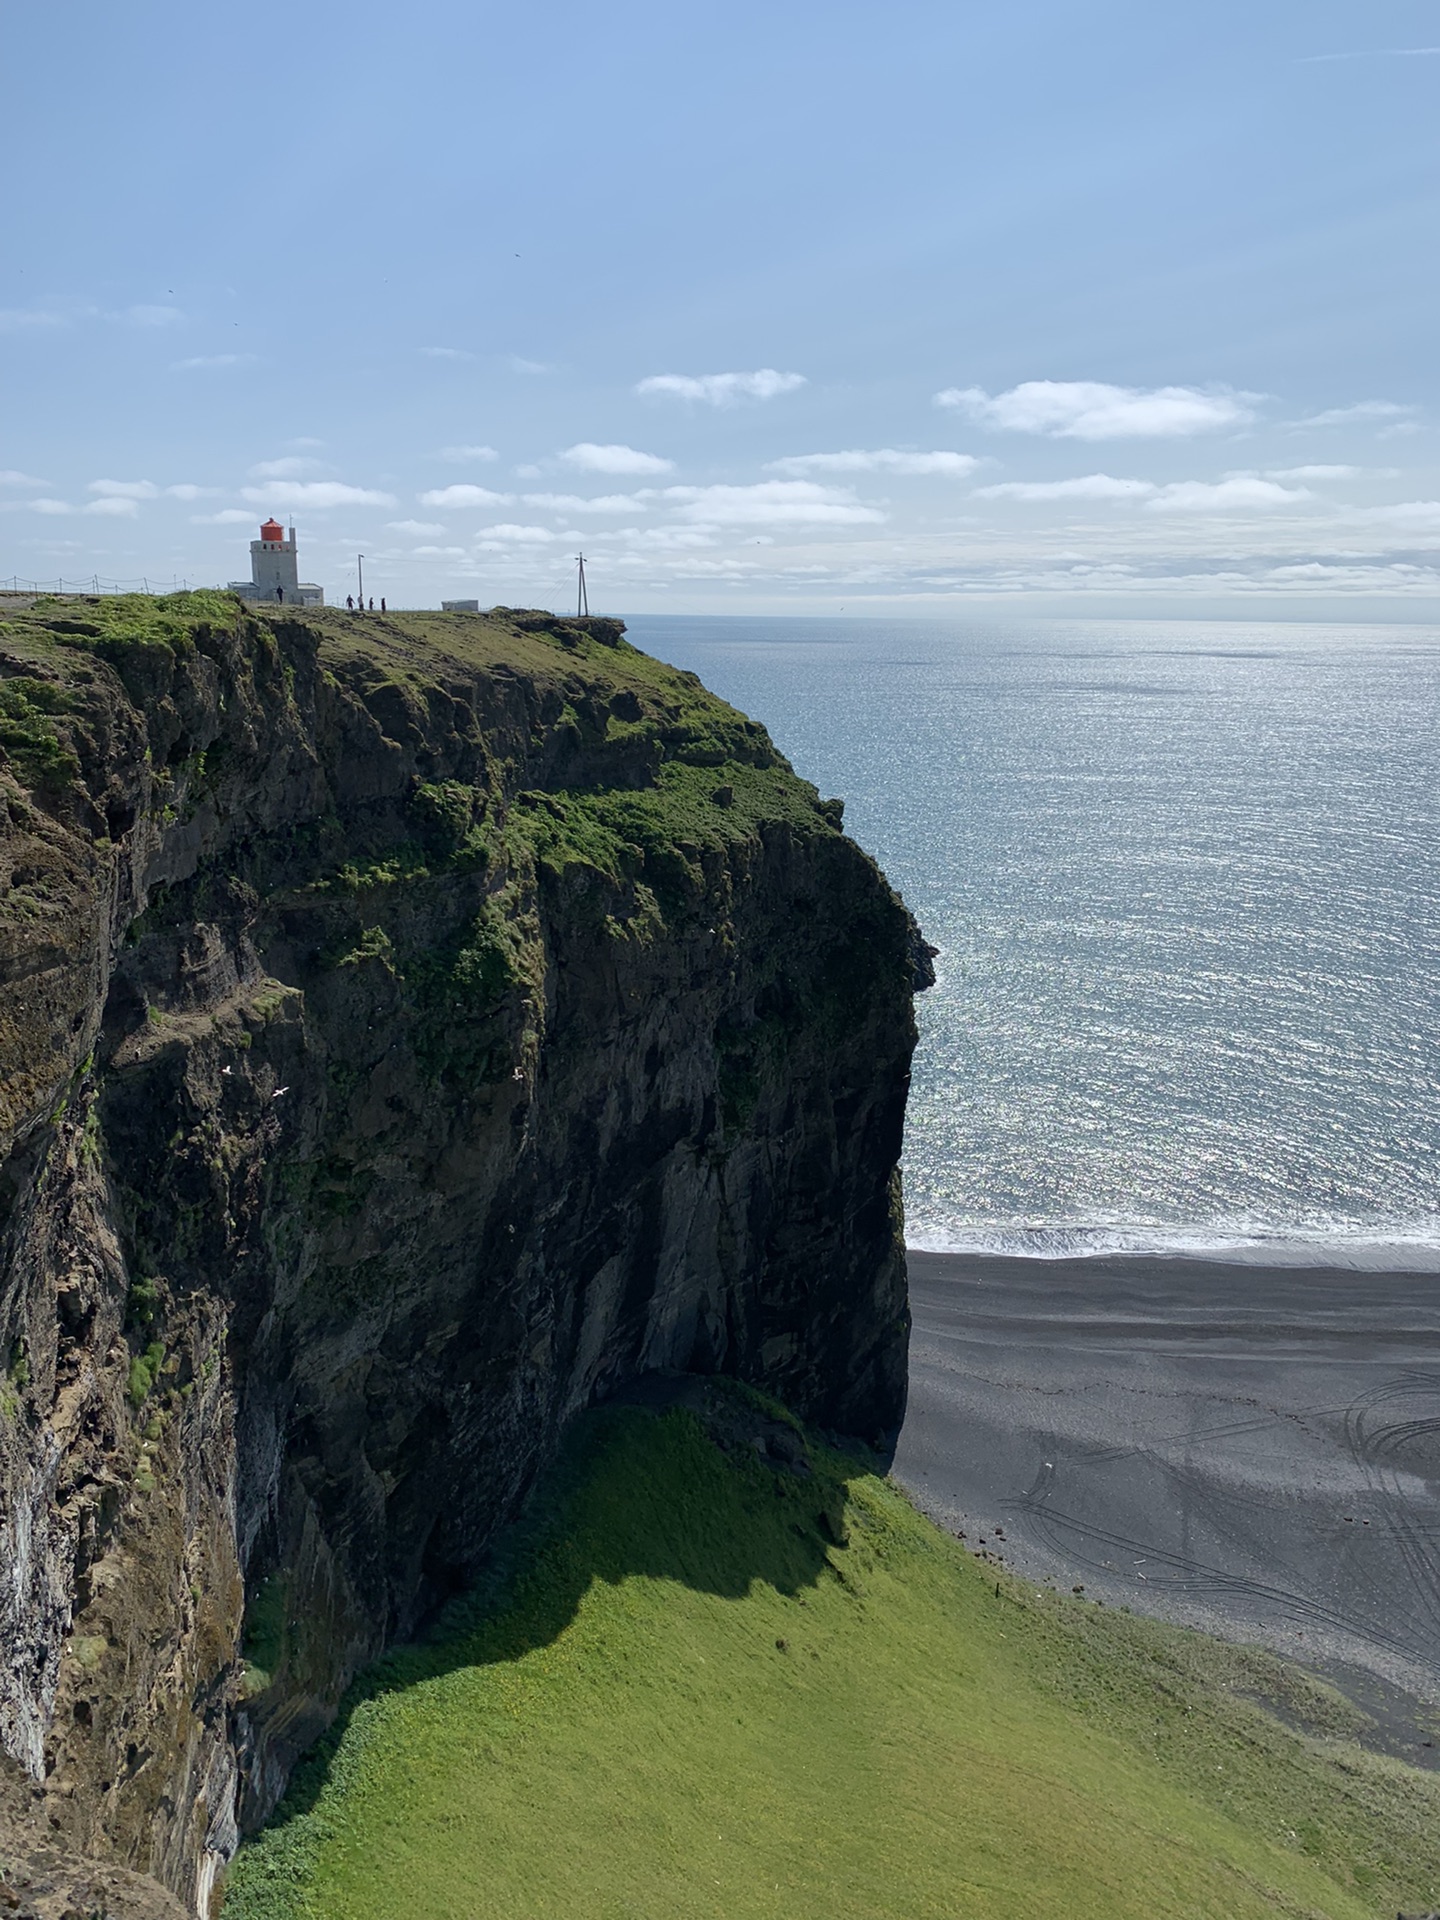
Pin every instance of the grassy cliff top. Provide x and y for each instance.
(720, 1689)
(550, 651)
(519, 698)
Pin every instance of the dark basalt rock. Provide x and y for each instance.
(413, 1031)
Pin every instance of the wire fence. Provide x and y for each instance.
(93, 584)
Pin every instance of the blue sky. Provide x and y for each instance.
(1060, 306)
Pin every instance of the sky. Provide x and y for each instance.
(804, 308)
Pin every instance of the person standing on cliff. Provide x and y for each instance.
(350, 601)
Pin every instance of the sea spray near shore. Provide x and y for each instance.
(1185, 881)
(1363, 1251)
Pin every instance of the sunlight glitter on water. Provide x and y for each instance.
(1185, 881)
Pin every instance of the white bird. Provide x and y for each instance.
(278, 1091)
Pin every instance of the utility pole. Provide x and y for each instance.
(582, 599)
(360, 570)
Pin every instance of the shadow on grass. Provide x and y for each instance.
(701, 1481)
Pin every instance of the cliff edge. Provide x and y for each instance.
(413, 1029)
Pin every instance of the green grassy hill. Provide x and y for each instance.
(694, 1701)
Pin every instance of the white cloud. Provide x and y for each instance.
(420, 528)
(1240, 490)
(212, 360)
(510, 535)
(1415, 515)
(446, 353)
(722, 389)
(666, 539)
(1360, 412)
(1368, 53)
(151, 316)
(184, 491)
(464, 456)
(23, 319)
(612, 459)
(12, 477)
(772, 502)
(114, 506)
(597, 503)
(1089, 486)
(442, 553)
(878, 460)
(1091, 410)
(125, 489)
(290, 468)
(519, 365)
(227, 517)
(1323, 472)
(316, 493)
(464, 496)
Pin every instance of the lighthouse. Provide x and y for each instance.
(275, 571)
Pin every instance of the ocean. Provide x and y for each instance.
(1184, 878)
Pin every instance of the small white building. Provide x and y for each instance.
(275, 572)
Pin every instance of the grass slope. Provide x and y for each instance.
(692, 1703)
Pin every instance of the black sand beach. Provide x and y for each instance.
(1251, 1450)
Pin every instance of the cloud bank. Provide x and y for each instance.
(595, 503)
(721, 389)
(24, 319)
(464, 495)
(125, 489)
(317, 494)
(201, 360)
(1235, 491)
(1088, 486)
(613, 459)
(773, 503)
(1360, 411)
(877, 460)
(1091, 410)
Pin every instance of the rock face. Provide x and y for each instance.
(412, 1029)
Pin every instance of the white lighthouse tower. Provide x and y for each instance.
(275, 571)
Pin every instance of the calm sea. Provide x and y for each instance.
(1185, 882)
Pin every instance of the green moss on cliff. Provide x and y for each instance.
(27, 730)
(724, 1691)
(404, 1098)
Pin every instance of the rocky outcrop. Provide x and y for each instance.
(413, 1029)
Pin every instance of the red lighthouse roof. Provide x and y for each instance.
(272, 530)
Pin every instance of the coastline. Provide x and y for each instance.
(1398, 1251)
(1249, 1449)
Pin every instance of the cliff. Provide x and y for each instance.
(412, 1029)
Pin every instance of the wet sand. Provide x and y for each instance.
(1250, 1450)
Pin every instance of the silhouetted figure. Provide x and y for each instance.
(382, 603)
(350, 601)
(372, 603)
(280, 595)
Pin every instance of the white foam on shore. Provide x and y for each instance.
(1365, 1250)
